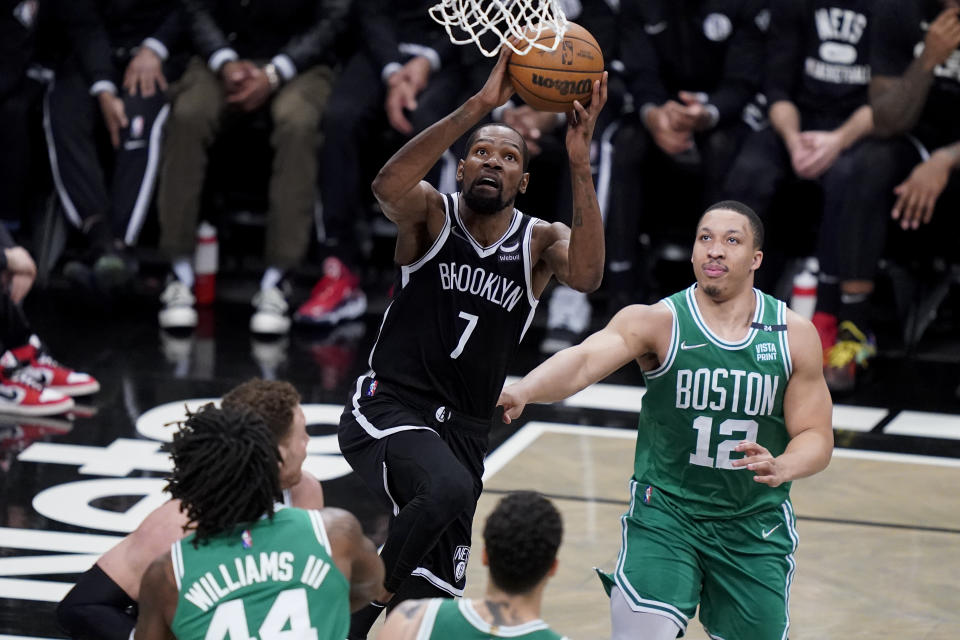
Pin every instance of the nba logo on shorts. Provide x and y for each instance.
(443, 414)
(372, 389)
(460, 559)
(646, 494)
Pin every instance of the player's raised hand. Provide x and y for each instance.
(498, 87)
(581, 121)
(762, 463)
(512, 402)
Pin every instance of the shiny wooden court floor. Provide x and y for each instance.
(879, 535)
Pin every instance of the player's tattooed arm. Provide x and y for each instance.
(403, 623)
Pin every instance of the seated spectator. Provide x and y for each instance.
(911, 180)
(31, 382)
(691, 69)
(402, 78)
(19, 94)
(816, 84)
(110, 92)
(254, 56)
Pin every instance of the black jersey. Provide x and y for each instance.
(819, 58)
(901, 26)
(458, 314)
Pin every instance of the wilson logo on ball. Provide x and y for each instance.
(563, 87)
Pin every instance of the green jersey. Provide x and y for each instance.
(269, 579)
(445, 619)
(704, 399)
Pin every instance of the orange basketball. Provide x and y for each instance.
(552, 80)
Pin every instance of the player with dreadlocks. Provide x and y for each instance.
(250, 563)
(102, 605)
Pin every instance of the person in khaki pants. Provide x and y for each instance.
(253, 54)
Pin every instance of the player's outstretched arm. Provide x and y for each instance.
(576, 255)
(808, 412)
(630, 334)
(403, 623)
(158, 601)
(399, 186)
(355, 556)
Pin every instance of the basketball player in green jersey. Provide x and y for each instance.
(250, 565)
(736, 408)
(520, 539)
(102, 604)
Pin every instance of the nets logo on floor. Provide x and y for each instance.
(86, 503)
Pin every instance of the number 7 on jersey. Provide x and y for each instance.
(471, 325)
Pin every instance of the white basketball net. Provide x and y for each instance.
(517, 23)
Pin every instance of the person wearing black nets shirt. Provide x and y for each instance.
(691, 69)
(104, 118)
(817, 75)
(908, 191)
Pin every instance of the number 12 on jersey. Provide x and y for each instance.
(704, 427)
(471, 325)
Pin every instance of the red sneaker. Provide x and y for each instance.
(22, 395)
(335, 298)
(50, 373)
(826, 324)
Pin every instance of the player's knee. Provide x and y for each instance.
(450, 494)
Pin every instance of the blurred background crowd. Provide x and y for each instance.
(146, 145)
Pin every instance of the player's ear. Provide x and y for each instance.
(553, 568)
(524, 181)
(484, 558)
(460, 170)
(757, 260)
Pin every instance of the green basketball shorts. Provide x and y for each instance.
(739, 571)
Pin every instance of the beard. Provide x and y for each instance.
(712, 291)
(486, 205)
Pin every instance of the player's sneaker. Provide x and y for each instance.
(270, 316)
(335, 298)
(50, 373)
(178, 310)
(22, 395)
(568, 318)
(851, 353)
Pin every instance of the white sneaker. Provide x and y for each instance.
(271, 314)
(177, 311)
(568, 318)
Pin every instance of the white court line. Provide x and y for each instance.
(861, 419)
(922, 423)
(522, 439)
(56, 541)
(40, 590)
(629, 398)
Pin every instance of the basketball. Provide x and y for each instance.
(552, 80)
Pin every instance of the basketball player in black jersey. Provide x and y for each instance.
(471, 268)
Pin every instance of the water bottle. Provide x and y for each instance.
(205, 261)
(804, 298)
